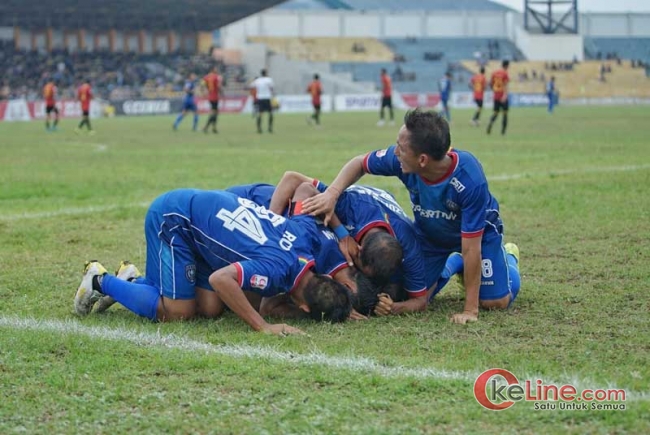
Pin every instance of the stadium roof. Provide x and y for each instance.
(178, 15)
(395, 5)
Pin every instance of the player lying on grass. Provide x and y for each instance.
(376, 233)
(453, 208)
(203, 240)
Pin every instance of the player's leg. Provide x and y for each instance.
(435, 260)
(195, 120)
(87, 118)
(477, 115)
(390, 110)
(317, 114)
(271, 121)
(56, 117)
(500, 281)
(47, 118)
(504, 119)
(261, 108)
(215, 117)
(497, 108)
(179, 118)
(453, 266)
(126, 271)
(208, 303)
(381, 112)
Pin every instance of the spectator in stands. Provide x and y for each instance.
(386, 98)
(398, 74)
(602, 72)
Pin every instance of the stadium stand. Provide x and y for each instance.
(328, 49)
(410, 5)
(612, 48)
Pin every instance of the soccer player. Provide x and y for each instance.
(213, 82)
(203, 240)
(315, 90)
(85, 95)
(386, 98)
(189, 104)
(264, 92)
(453, 207)
(550, 93)
(49, 94)
(477, 84)
(444, 86)
(499, 84)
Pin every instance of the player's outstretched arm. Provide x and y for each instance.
(225, 283)
(285, 189)
(471, 248)
(324, 203)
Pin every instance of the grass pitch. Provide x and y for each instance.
(573, 189)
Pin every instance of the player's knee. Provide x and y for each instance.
(495, 304)
(170, 310)
(208, 304)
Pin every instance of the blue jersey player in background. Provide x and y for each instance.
(444, 86)
(189, 104)
(204, 249)
(453, 208)
(551, 94)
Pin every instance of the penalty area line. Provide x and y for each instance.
(355, 364)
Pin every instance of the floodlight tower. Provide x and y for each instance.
(551, 16)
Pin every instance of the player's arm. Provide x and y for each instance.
(280, 306)
(226, 284)
(285, 190)
(471, 250)
(325, 202)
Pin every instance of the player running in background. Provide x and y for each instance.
(213, 82)
(499, 84)
(189, 104)
(453, 207)
(386, 98)
(49, 95)
(315, 89)
(478, 84)
(203, 240)
(264, 92)
(550, 93)
(85, 95)
(444, 86)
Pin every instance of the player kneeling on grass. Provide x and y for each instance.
(453, 208)
(203, 240)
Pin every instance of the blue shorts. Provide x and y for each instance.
(171, 264)
(495, 277)
(189, 105)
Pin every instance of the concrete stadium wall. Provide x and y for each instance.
(549, 47)
(615, 25)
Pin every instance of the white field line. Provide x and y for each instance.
(505, 177)
(356, 364)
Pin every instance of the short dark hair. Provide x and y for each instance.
(383, 70)
(505, 63)
(429, 133)
(316, 77)
(382, 253)
(263, 72)
(366, 297)
(328, 300)
(482, 70)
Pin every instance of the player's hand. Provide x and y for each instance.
(464, 317)
(321, 204)
(350, 250)
(384, 306)
(355, 315)
(281, 329)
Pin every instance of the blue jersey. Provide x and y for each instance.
(328, 256)
(445, 88)
(455, 206)
(361, 208)
(188, 99)
(550, 87)
(271, 253)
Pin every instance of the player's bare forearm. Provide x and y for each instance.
(285, 189)
(414, 305)
(280, 306)
(225, 283)
(472, 273)
(349, 174)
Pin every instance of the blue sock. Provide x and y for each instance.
(453, 266)
(196, 121)
(178, 120)
(141, 299)
(515, 278)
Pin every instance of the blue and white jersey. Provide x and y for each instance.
(190, 86)
(550, 87)
(444, 86)
(328, 256)
(361, 208)
(271, 253)
(457, 205)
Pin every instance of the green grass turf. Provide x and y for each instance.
(573, 194)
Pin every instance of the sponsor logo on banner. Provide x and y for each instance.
(412, 101)
(302, 103)
(358, 102)
(226, 105)
(528, 100)
(17, 110)
(146, 107)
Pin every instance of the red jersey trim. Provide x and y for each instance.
(365, 163)
(304, 270)
(375, 224)
(417, 293)
(337, 269)
(472, 235)
(452, 168)
(240, 274)
(315, 182)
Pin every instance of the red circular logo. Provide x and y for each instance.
(481, 394)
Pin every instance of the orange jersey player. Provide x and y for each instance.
(315, 89)
(213, 82)
(49, 95)
(85, 95)
(499, 83)
(386, 97)
(478, 84)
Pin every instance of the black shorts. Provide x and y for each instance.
(264, 105)
(316, 106)
(387, 102)
(86, 112)
(479, 103)
(500, 105)
(214, 105)
(50, 109)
